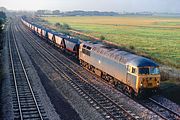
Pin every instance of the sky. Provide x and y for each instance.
(99, 5)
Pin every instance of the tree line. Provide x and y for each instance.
(2, 20)
(76, 13)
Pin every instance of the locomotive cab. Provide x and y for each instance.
(147, 75)
(149, 78)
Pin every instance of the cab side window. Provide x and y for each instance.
(133, 70)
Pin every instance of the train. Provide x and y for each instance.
(133, 74)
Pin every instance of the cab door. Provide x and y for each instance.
(131, 78)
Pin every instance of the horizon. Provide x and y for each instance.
(121, 12)
(160, 6)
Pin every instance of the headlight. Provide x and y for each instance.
(141, 80)
(157, 82)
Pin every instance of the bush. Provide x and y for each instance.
(1, 23)
(66, 26)
(102, 37)
(131, 47)
(58, 25)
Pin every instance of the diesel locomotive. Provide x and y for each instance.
(133, 74)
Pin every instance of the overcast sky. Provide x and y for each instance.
(100, 5)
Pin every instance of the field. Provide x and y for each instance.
(156, 37)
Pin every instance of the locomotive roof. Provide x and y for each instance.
(142, 62)
(120, 55)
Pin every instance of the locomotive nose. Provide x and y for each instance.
(149, 81)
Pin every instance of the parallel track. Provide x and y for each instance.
(161, 110)
(106, 106)
(25, 104)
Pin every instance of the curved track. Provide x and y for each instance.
(25, 104)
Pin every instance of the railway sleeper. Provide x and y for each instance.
(31, 116)
(30, 112)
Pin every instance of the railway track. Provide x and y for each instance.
(25, 101)
(106, 106)
(160, 110)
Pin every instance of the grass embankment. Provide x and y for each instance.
(170, 89)
(158, 38)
